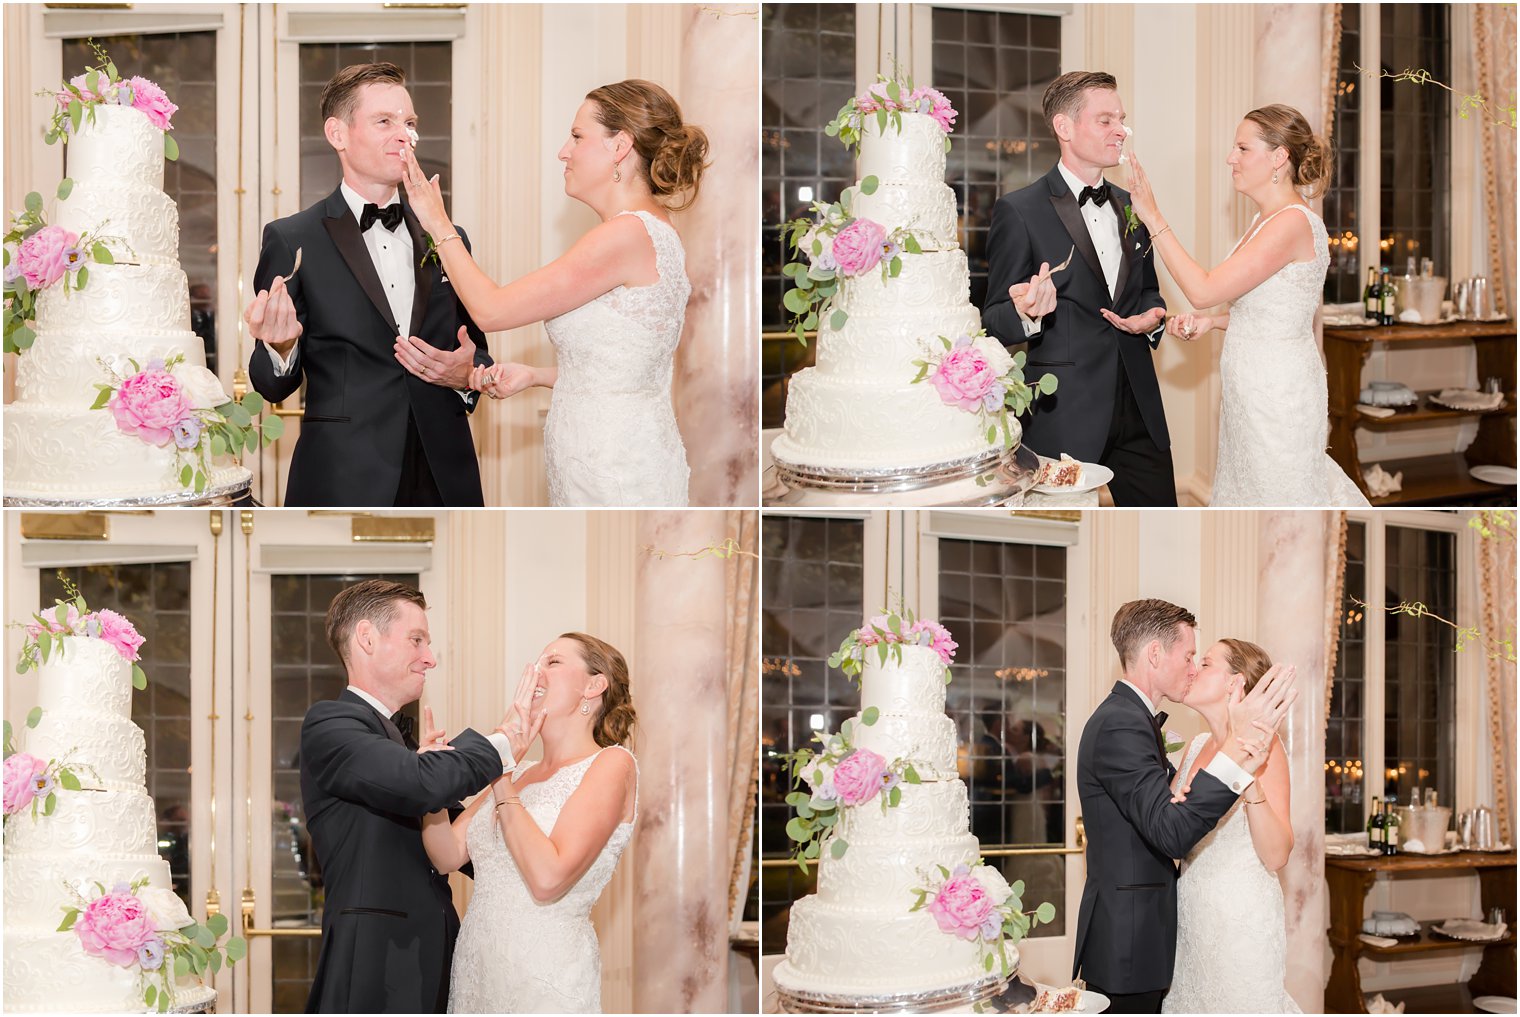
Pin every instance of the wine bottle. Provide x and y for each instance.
(1375, 826)
(1371, 297)
(1385, 299)
(1391, 829)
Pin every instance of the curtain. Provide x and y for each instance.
(1496, 569)
(1494, 56)
(743, 710)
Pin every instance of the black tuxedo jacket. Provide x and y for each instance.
(388, 922)
(1041, 223)
(1127, 926)
(358, 396)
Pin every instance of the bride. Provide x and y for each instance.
(1231, 929)
(544, 840)
(613, 304)
(1274, 418)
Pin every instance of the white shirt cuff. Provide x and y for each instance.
(1031, 325)
(503, 748)
(1229, 772)
(282, 365)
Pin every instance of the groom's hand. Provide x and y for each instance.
(451, 369)
(271, 317)
(1255, 717)
(1138, 324)
(1037, 297)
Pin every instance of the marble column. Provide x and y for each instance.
(717, 364)
(1289, 65)
(1294, 557)
(680, 855)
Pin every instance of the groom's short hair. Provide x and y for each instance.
(373, 599)
(1067, 93)
(1140, 621)
(341, 94)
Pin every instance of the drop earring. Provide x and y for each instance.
(1274, 176)
(585, 708)
(617, 176)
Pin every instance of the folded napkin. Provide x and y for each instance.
(1378, 941)
(1375, 411)
(1380, 482)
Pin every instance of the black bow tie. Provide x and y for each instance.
(404, 723)
(1160, 719)
(389, 216)
(1097, 195)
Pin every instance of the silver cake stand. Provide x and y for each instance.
(997, 478)
(222, 494)
(972, 996)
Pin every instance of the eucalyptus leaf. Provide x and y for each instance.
(102, 397)
(237, 949)
(839, 847)
(1046, 913)
(76, 112)
(837, 319)
(103, 254)
(868, 185)
(69, 918)
(49, 805)
(186, 475)
(33, 716)
(81, 277)
(64, 187)
(139, 678)
(273, 428)
(218, 925)
(68, 780)
(796, 829)
(171, 147)
(253, 402)
(33, 202)
(150, 995)
(869, 715)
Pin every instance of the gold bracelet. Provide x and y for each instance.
(439, 243)
(1254, 801)
(514, 800)
(1158, 233)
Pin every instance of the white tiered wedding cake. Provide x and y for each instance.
(106, 836)
(57, 448)
(888, 394)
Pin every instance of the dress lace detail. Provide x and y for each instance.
(1232, 935)
(611, 437)
(1274, 421)
(515, 955)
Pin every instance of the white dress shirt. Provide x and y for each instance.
(1221, 766)
(392, 256)
(496, 738)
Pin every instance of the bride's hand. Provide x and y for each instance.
(1141, 198)
(501, 381)
(425, 196)
(524, 720)
(433, 739)
(1188, 327)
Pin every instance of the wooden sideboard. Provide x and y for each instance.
(1349, 880)
(1427, 478)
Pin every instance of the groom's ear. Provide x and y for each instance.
(364, 635)
(336, 132)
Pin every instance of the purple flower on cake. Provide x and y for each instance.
(936, 636)
(20, 781)
(187, 433)
(889, 780)
(42, 783)
(965, 377)
(890, 249)
(150, 956)
(12, 270)
(962, 906)
(120, 634)
(857, 778)
(149, 404)
(43, 256)
(151, 100)
(72, 257)
(114, 927)
(932, 102)
(857, 247)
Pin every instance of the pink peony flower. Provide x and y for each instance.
(43, 256)
(21, 771)
(933, 103)
(107, 91)
(149, 98)
(962, 906)
(148, 405)
(69, 625)
(964, 377)
(857, 247)
(935, 636)
(114, 927)
(858, 777)
(117, 631)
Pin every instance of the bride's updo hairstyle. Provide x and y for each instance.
(1285, 127)
(671, 153)
(615, 720)
(1246, 659)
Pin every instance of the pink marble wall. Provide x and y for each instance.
(1294, 556)
(680, 852)
(717, 378)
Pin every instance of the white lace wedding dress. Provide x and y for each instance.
(1232, 936)
(1274, 421)
(611, 437)
(515, 955)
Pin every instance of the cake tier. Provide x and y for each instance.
(913, 155)
(48, 971)
(89, 676)
(838, 422)
(120, 145)
(928, 742)
(930, 811)
(916, 684)
(142, 221)
(117, 300)
(82, 824)
(871, 873)
(931, 285)
(874, 951)
(63, 368)
(67, 453)
(111, 747)
(36, 889)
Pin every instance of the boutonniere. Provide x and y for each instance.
(1173, 742)
(432, 252)
(1131, 220)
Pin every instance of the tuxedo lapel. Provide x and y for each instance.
(391, 730)
(344, 230)
(1127, 243)
(1065, 205)
(423, 275)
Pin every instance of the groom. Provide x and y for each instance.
(388, 921)
(1095, 323)
(1127, 926)
(386, 418)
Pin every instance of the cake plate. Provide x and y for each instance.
(221, 494)
(972, 996)
(998, 478)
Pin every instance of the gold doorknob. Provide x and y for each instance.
(1081, 835)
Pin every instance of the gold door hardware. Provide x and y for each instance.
(249, 932)
(65, 526)
(1081, 834)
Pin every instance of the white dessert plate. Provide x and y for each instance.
(1469, 930)
(1495, 1004)
(1094, 476)
(1096, 1002)
(1504, 475)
